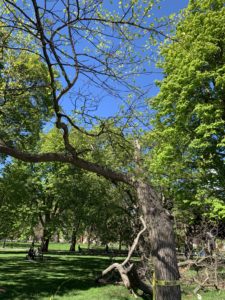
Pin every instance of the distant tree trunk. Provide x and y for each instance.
(76, 226)
(44, 244)
(58, 237)
(73, 241)
(89, 241)
(46, 234)
(162, 240)
(120, 242)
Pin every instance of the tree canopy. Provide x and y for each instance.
(188, 139)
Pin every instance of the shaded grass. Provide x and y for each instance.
(66, 277)
(58, 277)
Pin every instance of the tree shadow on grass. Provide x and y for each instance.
(21, 279)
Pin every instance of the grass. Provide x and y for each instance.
(206, 295)
(65, 277)
(53, 246)
(58, 277)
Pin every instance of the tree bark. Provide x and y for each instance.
(73, 241)
(46, 233)
(89, 242)
(44, 244)
(58, 237)
(161, 236)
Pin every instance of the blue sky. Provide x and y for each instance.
(167, 7)
(110, 105)
(170, 6)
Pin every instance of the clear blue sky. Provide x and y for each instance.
(170, 6)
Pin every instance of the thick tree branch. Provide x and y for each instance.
(66, 158)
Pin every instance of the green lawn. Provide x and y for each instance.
(65, 277)
(53, 246)
(58, 277)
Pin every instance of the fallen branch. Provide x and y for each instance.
(201, 284)
(135, 243)
(127, 271)
(191, 262)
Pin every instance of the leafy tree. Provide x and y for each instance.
(24, 96)
(31, 198)
(17, 210)
(188, 140)
(87, 194)
(60, 198)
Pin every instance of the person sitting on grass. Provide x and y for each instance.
(31, 254)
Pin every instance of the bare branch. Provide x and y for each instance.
(135, 243)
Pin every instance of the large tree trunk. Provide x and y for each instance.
(46, 233)
(73, 241)
(162, 240)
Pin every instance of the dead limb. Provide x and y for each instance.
(127, 271)
(201, 284)
(191, 262)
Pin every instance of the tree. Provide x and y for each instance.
(85, 195)
(18, 211)
(188, 139)
(60, 197)
(78, 40)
